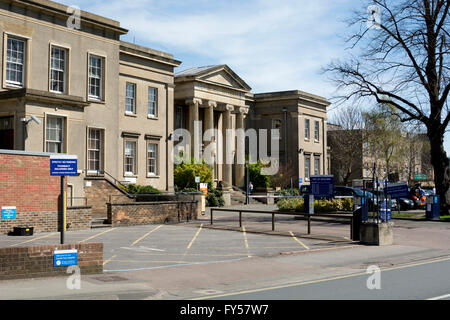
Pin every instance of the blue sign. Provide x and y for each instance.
(63, 165)
(8, 213)
(397, 190)
(300, 180)
(322, 186)
(65, 258)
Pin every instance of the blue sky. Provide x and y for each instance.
(272, 45)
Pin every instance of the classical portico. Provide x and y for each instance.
(215, 96)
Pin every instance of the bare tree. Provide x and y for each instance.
(346, 144)
(401, 60)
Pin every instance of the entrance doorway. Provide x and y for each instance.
(7, 133)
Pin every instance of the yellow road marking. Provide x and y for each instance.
(195, 237)
(97, 235)
(145, 235)
(43, 237)
(109, 260)
(295, 238)
(246, 242)
(321, 280)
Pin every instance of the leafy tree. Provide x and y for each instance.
(402, 61)
(256, 178)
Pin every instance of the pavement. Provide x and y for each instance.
(193, 261)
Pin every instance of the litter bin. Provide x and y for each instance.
(385, 211)
(309, 203)
(433, 207)
(23, 231)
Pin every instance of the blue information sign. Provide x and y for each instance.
(8, 213)
(63, 165)
(300, 180)
(65, 258)
(322, 186)
(397, 190)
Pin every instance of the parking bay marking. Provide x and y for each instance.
(39, 238)
(97, 235)
(246, 242)
(145, 236)
(295, 238)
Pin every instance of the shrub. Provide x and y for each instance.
(215, 198)
(184, 175)
(256, 178)
(319, 205)
(137, 189)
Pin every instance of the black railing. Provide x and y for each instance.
(352, 218)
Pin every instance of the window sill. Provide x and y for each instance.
(152, 176)
(152, 117)
(13, 86)
(129, 114)
(94, 100)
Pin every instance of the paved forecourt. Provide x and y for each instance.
(162, 246)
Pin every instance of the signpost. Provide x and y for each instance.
(62, 166)
(8, 213)
(322, 186)
(397, 190)
(65, 258)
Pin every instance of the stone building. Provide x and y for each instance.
(107, 101)
(116, 105)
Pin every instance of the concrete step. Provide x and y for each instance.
(100, 223)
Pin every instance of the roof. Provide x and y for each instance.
(196, 71)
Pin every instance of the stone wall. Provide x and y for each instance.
(78, 218)
(37, 261)
(142, 213)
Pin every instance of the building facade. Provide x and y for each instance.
(107, 101)
(115, 105)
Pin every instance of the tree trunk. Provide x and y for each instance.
(441, 167)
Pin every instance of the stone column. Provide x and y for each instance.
(209, 125)
(227, 176)
(239, 166)
(193, 117)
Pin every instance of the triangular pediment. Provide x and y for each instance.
(221, 75)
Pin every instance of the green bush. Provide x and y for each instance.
(137, 189)
(342, 205)
(215, 198)
(256, 178)
(184, 175)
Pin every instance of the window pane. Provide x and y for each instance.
(130, 98)
(58, 67)
(15, 61)
(95, 77)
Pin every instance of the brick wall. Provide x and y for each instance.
(98, 195)
(37, 261)
(25, 183)
(78, 218)
(142, 213)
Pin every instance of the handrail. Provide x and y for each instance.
(273, 213)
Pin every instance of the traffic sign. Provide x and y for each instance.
(8, 213)
(63, 165)
(65, 258)
(322, 186)
(420, 177)
(397, 190)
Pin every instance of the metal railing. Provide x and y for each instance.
(308, 217)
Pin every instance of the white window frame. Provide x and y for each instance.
(307, 129)
(16, 84)
(134, 163)
(63, 71)
(316, 166)
(133, 99)
(307, 172)
(155, 102)
(98, 150)
(316, 131)
(96, 77)
(62, 130)
(154, 159)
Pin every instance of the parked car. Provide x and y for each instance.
(341, 191)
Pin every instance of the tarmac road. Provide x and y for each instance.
(421, 281)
